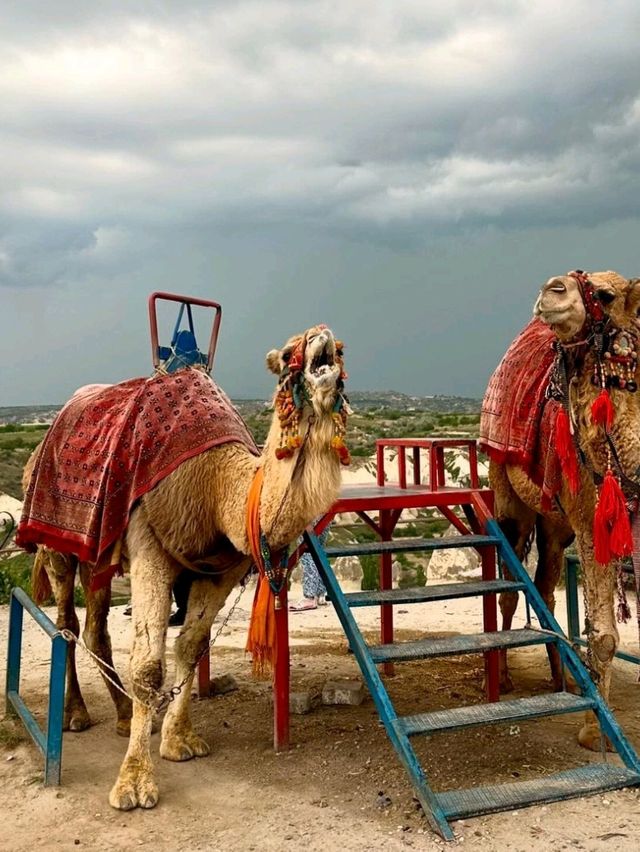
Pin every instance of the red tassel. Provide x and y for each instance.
(602, 410)
(566, 451)
(612, 537)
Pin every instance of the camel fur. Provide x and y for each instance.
(518, 499)
(202, 506)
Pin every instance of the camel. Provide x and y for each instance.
(569, 311)
(203, 503)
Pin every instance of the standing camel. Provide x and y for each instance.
(578, 474)
(203, 504)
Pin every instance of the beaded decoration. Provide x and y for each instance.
(277, 577)
(618, 368)
(615, 364)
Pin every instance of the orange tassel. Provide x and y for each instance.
(602, 410)
(612, 537)
(566, 451)
(261, 641)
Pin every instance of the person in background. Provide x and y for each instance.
(314, 593)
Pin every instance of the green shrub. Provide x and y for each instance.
(370, 572)
(15, 572)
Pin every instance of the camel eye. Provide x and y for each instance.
(558, 288)
(286, 356)
(604, 296)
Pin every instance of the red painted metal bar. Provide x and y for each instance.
(490, 624)
(281, 675)
(483, 503)
(433, 469)
(473, 465)
(440, 464)
(380, 463)
(388, 521)
(425, 443)
(454, 520)
(369, 522)
(187, 300)
(402, 467)
(204, 676)
(388, 502)
(416, 465)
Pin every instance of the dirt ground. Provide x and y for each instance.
(325, 793)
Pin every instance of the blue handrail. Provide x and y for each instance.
(49, 742)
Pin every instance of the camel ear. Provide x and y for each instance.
(632, 304)
(273, 361)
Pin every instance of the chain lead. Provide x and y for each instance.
(157, 700)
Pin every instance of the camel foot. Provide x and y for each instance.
(183, 746)
(76, 719)
(134, 790)
(123, 727)
(590, 737)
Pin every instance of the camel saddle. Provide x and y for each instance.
(108, 447)
(517, 423)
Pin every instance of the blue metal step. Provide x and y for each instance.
(439, 592)
(515, 710)
(472, 643)
(582, 781)
(412, 545)
(439, 808)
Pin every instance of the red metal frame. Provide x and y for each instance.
(186, 300)
(388, 501)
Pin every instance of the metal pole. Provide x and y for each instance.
(53, 753)
(14, 652)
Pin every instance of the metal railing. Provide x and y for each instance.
(50, 741)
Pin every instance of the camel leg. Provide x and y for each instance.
(61, 571)
(179, 741)
(599, 584)
(97, 639)
(152, 576)
(517, 521)
(553, 535)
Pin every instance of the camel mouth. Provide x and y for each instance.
(323, 361)
(553, 316)
(322, 366)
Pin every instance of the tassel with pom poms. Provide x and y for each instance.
(566, 451)
(611, 528)
(341, 449)
(602, 410)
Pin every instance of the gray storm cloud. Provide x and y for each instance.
(142, 137)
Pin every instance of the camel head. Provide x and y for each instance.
(567, 309)
(310, 370)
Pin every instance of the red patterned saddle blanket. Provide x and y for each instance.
(110, 445)
(517, 423)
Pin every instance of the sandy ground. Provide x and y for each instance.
(324, 793)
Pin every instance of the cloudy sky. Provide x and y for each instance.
(408, 172)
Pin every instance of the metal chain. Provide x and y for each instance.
(157, 700)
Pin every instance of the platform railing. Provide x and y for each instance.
(49, 741)
(436, 448)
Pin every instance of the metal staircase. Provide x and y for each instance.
(440, 808)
